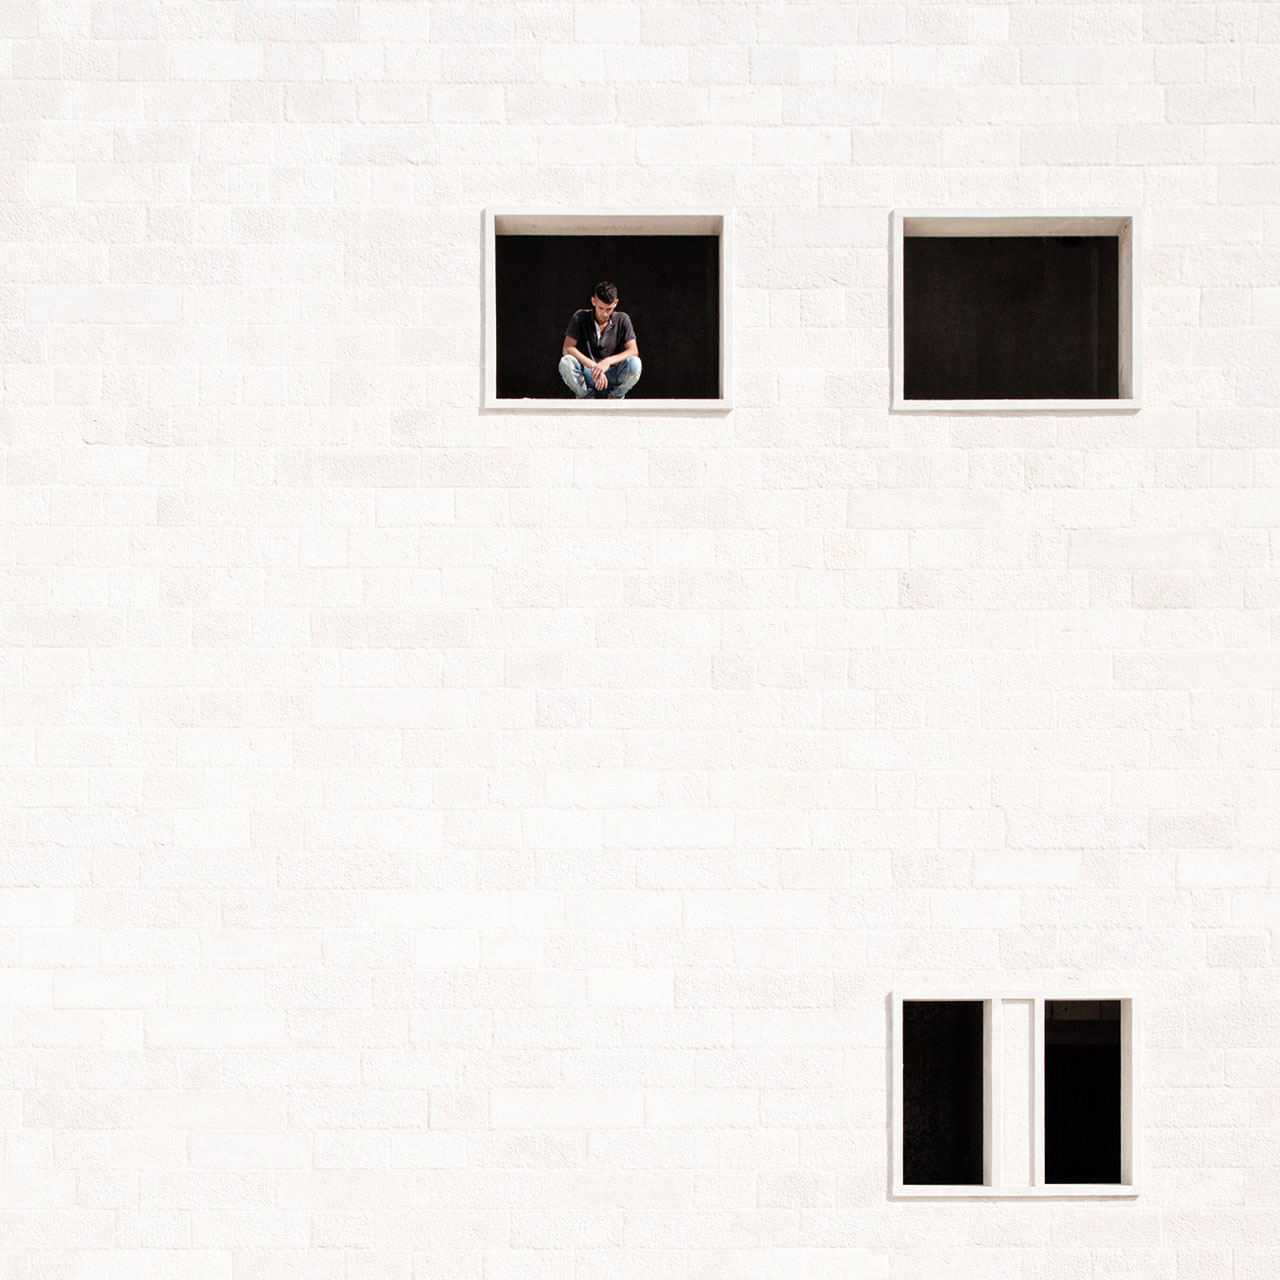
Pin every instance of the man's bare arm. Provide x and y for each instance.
(570, 348)
(631, 349)
(598, 373)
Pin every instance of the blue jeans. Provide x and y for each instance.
(622, 377)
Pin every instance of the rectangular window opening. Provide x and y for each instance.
(1015, 311)
(1083, 1108)
(672, 274)
(1015, 1094)
(943, 1120)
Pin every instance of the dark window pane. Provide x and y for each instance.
(668, 285)
(1082, 1091)
(1011, 317)
(942, 1092)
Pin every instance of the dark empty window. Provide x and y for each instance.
(1082, 1091)
(1011, 317)
(669, 285)
(943, 1123)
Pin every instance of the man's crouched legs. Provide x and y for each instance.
(621, 378)
(576, 377)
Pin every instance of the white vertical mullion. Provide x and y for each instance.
(726, 310)
(490, 317)
(992, 1102)
(1124, 298)
(1037, 1092)
(1132, 314)
(895, 1092)
(1130, 1093)
(896, 319)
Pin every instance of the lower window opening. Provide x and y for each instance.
(943, 1123)
(1082, 1091)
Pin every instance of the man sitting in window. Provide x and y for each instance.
(599, 356)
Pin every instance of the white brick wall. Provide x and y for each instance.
(480, 847)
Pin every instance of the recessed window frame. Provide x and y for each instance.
(994, 1186)
(1123, 223)
(607, 222)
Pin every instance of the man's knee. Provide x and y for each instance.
(631, 369)
(573, 376)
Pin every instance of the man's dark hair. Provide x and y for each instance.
(606, 291)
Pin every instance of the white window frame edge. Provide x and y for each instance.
(717, 222)
(1124, 223)
(993, 1093)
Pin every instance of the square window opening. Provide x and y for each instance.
(671, 271)
(1015, 311)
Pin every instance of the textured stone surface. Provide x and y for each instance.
(481, 847)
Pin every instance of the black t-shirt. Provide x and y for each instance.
(617, 333)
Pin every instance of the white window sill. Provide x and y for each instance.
(592, 405)
(1015, 406)
(1051, 1191)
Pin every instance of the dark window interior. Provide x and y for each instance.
(1011, 317)
(942, 1092)
(1082, 1091)
(668, 285)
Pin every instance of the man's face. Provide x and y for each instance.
(603, 310)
